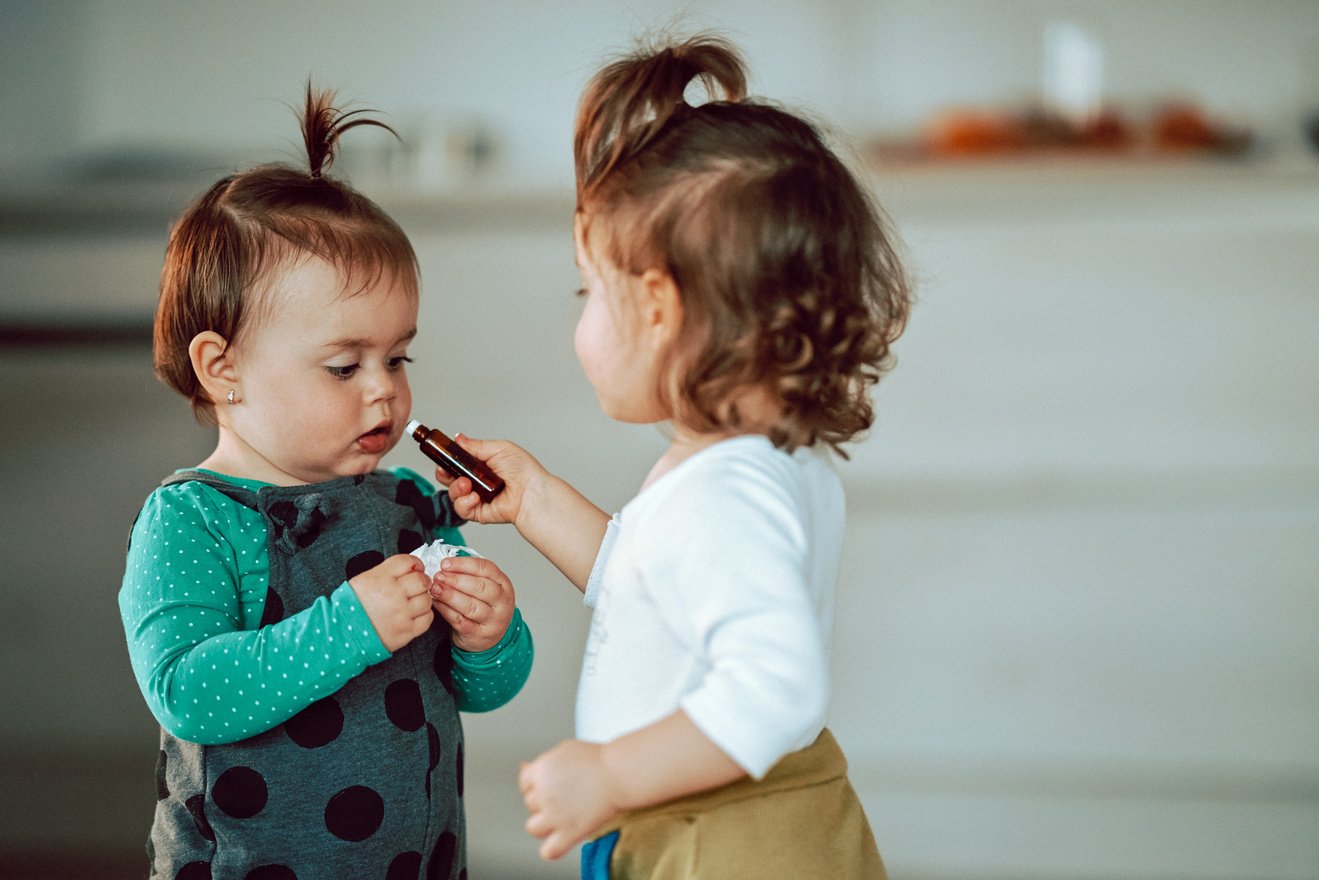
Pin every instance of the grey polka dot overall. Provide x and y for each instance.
(363, 783)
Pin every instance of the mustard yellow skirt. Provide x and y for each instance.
(802, 820)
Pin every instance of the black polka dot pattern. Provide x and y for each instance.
(354, 814)
(433, 740)
(459, 768)
(409, 540)
(362, 562)
(409, 495)
(194, 871)
(196, 806)
(240, 792)
(403, 704)
(433, 745)
(317, 725)
(440, 866)
(406, 866)
(271, 872)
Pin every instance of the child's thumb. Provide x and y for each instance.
(471, 444)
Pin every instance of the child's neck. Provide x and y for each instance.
(235, 458)
(757, 411)
(682, 447)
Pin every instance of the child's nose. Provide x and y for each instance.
(383, 385)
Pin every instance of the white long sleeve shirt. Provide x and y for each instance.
(713, 592)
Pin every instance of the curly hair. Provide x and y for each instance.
(789, 276)
(227, 244)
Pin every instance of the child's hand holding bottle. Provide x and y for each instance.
(518, 469)
(396, 597)
(549, 513)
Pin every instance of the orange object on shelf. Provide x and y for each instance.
(973, 132)
(1181, 127)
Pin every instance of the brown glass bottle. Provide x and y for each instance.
(456, 460)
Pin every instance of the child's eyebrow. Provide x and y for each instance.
(363, 342)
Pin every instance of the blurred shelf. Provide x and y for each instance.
(81, 332)
(1089, 188)
(989, 186)
(148, 208)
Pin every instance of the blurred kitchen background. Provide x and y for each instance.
(1078, 622)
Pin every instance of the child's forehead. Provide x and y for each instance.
(307, 279)
(310, 294)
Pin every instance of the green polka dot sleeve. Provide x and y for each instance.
(488, 679)
(193, 592)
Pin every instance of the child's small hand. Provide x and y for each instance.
(476, 598)
(568, 793)
(511, 462)
(396, 598)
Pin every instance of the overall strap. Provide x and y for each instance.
(245, 497)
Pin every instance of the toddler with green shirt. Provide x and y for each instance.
(307, 670)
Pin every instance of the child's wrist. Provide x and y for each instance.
(618, 776)
(537, 495)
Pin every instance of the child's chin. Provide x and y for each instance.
(365, 465)
(360, 464)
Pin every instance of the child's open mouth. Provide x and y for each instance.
(375, 441)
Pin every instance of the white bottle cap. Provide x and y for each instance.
(412, 426)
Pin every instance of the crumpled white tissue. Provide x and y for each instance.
(431, 554)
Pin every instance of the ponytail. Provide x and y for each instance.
(322, 124)
(631, 101)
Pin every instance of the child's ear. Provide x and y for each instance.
(213, 364)
(661, 305)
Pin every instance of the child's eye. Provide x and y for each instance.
(396, 363)
(342, 372)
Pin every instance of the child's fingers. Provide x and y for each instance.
(525, 778)
(477, 577)
(456, 620)
(555, 845)
(464, 605)
(538, 824)
(482, 449)
(477, 587)
(415, 583)
(473, 565)
(466, 503)
(422, 622)
(419, 605)
(400, 564)
(467, 506)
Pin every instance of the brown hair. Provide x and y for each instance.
(242, 229)
(789, 278)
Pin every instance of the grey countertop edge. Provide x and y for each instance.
(966, 187)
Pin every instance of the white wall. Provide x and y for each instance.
(90, 77)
